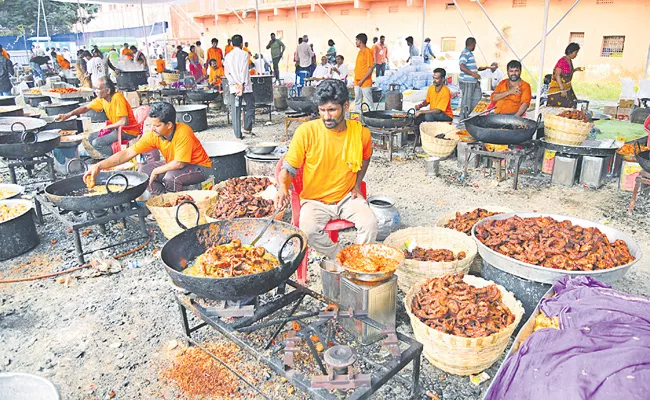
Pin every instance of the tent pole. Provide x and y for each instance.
(83, 29)
(47, 30)
(38, 21)
(424, 19)
(647, 60)
(144, 30)
(334, 22)
(541, 58)
(469, 29)
(506, 42)
(552, 28)
(235, 12)
(257, 22)
(216, 17)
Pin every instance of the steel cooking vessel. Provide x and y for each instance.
(194, 115)
(29, 144)
(537, 273)
(19, 233)
(283, 240)
(228, 159)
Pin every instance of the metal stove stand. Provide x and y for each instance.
(516, 153)
(30, 165)
(266, 109)
(642, 183)
(336, 370)
(387, 135)
(76, 221)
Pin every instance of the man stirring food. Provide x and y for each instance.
(438, 99)
(118, 111)
(186, 162)
(334, 154)
(513, 95)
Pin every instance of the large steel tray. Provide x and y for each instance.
(549, 275)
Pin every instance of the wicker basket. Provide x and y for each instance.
(166, 216)
(475, 267)
(438, 147)
(562, 130)
(460, 355)
(170, 77)
(414, 271)
(268, 195)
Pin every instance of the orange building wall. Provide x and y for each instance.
(522, 26)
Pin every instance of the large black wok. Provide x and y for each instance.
(20, 124)
(280, 239)
(68, 193)
(29, 144)
(387, 118)
(202, 96)
(302, 104)
(502, 129)
(642, 157)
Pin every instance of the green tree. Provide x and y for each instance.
(22, 13)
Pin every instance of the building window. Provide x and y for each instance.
(518, 3)
(393, 9)
(604, 1)
(279, 35)
(269, 18)
(448, 44)
(450, 7)
(613, 46)
(577, 37)
(345, 12)
(305, 15)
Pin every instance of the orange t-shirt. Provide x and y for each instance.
(318, 150)
(118, 107)
(127, 53)
(5, 54)
(365, 60)
(440, 100)
(215, 54)
(65, 64)
(160, 66)
(184, 146)
(511, 104)
(229, 48)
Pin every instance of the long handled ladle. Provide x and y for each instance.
(271, 219)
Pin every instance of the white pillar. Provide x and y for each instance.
(257, 22)
(216, 17)
(424, 20)
(144, 30)
(541, 58)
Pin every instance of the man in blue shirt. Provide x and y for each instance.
(468, 79)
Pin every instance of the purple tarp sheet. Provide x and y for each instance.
(601, 352)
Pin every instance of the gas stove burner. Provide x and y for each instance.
(340, 357)
(340, 373)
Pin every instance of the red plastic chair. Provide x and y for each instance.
(332, 228)
(646, 125)
(141, 113)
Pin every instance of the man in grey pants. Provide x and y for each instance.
(468, 79)
(236, 66)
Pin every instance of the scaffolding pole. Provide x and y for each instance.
(543, 51)
(216, 17)
(424, 20)
(83, 29)
(144, 30)
(470, 30)
(235, 12)
(552, 28)
(334, 22)
(257, 22)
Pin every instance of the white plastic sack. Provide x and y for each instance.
(644, 89)
(414, 96)
(628, 89)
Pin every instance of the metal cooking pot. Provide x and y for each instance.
(502, 129)
(11, 111)
(130, 80)
(7, 100)
(202, 96)
(263, 89)
(182, 249)
(35, 99)
(387, 118)
(642, 157)
(29, 144)
(19, 233)
(280, 94)
(68, 194)
(302, 104)
(194, 115)
(60, 108)
(17, 125)
(228, 159)
(387, 215)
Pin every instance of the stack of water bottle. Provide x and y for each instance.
(415, 75)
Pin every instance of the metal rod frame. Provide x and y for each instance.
(469, 29)
(335, 24)
(541, 61)
(548, 32)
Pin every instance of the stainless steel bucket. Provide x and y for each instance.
(330, 273)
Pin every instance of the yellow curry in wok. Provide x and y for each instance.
(231, 260)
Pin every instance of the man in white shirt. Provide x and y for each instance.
(241, 87)
(490, 76)
(262, 67)
(322, 71)
(340, 71)
(304, 55)
(95, 66)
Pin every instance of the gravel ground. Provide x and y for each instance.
(112, 336)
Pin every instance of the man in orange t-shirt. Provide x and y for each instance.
(333, 154)
(438, 99)
(160, 64)
(186, 162)
(127, 53)
(229, 47)
(513, 95)
(215, 53)
(363, 73)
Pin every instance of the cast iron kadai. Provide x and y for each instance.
(263, 148)
(302, 104)
(387, 118)
(7, 100)
(29, 144)
(59, 108)
(183, 248)
(16, 125)
(202, 96)
(19, 233)
(502, 129)
(68, 194)
(642, 157)
(541, 274)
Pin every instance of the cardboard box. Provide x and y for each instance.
(610, 110)
(623, 113)
(626, 103)
(132, 98)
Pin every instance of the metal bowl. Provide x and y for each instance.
(10, 186)
(263, 148)
(538, 273)
(19, 385)
(361, 276)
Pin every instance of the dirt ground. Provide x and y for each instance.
(112, 336)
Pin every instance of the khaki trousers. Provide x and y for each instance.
(314, 215)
